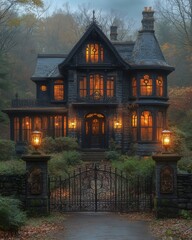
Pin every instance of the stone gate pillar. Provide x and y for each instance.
(37, 190)
(166, 204)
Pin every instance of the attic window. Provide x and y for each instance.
(94, 53)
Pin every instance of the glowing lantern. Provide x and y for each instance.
(36, 139)
(166, 139)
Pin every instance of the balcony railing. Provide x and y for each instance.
(95, 99)
(18, 103)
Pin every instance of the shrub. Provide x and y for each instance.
(179, 143)
(50, 145)
(112, 155)
(135, 166)
(185, 164)
(62, 163)
(7, 150)
(11, 217)
(12, 167)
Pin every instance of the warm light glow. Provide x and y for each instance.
(117, 124)
(146, 84)
(166, 139)
(94, 53)
(36, 137)
(72, 124)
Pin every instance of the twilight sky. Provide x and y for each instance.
(130, 8)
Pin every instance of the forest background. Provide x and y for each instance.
(27, 29)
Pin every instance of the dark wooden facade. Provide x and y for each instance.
(102, 90)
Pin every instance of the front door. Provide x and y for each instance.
(94, 131)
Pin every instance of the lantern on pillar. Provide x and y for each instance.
(36, 139)
(166, 139)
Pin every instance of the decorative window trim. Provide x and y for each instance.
(146, 86)
(94, 53)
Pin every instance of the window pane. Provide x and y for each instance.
(58, 90)
(146, 86)
(16, 129)
(134, 87)
(134, 126)
(110, 87)
(159, 125)
(94, 53)
(159, 86)
(83, 87)
(146, 126)
(26, 129)
(96, 86)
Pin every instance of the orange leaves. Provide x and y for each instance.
(181, 98)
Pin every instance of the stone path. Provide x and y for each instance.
(102, 226)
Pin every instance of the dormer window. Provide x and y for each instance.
(58, 90)
(146, 86)
(94, 53)
(159, 86)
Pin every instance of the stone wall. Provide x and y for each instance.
(184, 188)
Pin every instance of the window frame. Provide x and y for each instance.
(146, 126)
(146, 88)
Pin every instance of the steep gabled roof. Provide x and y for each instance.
(93, 28)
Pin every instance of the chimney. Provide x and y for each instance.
(113, 33)
(148, 19)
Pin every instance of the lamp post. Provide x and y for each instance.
(37, 187)
(166, 139)
(166, 179)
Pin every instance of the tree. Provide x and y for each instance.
(10, 20)
(179, 14)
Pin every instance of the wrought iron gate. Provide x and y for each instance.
(101, 189)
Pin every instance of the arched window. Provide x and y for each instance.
(159, 123)
(146, 126)
(134, 87)
(159, 86)
(94, 53)
(146, 86)
(58, 91)
(134, 125)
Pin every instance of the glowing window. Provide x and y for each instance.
(159, 86)
(26, 129)
(110, 87)
(96, 86)
(146, 126)
(43, 88)
(58, 90)
(16, 129)
(146, 86)
(134, 87)
(83, 87)
(159, 123)
(94, 53)
(134, 125)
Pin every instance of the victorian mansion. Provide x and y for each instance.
(102, 89)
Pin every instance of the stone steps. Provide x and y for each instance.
(93, 155)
